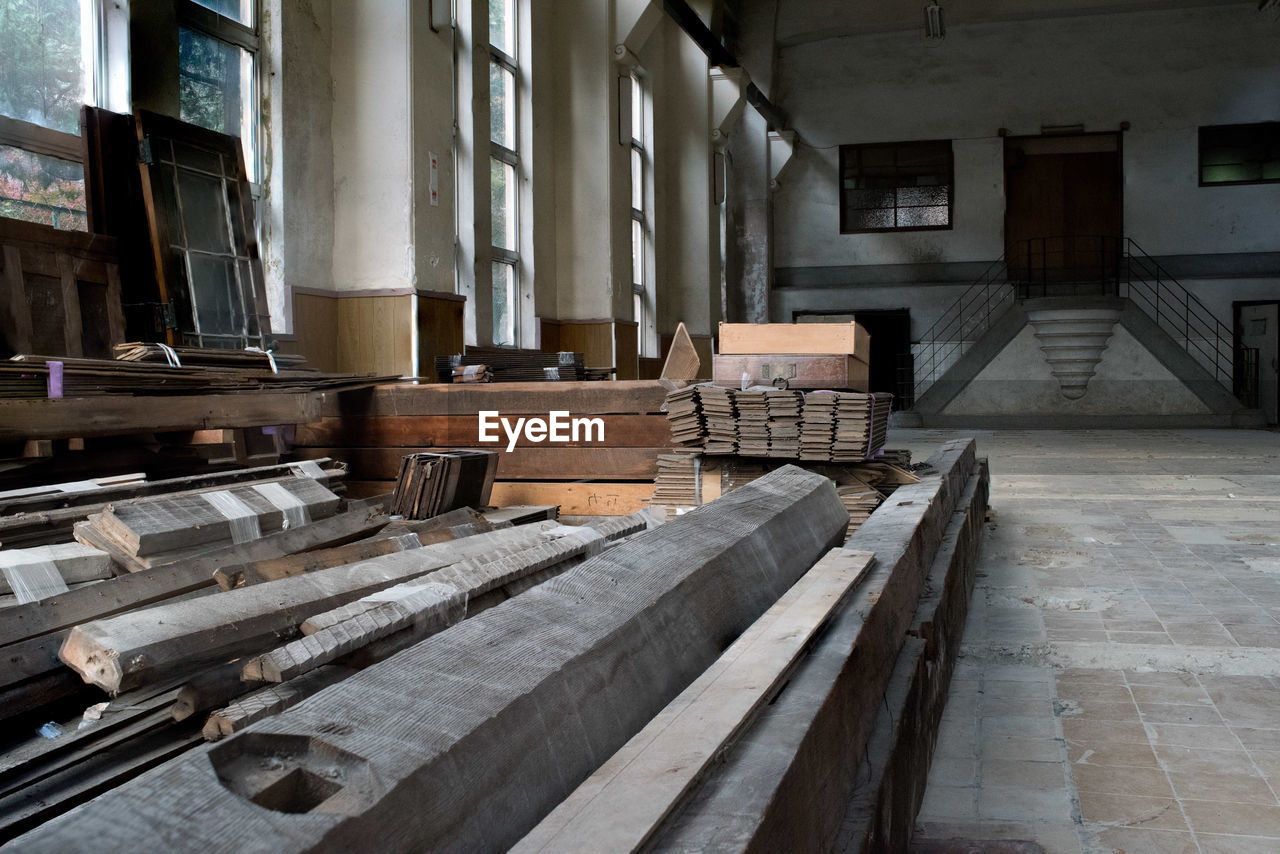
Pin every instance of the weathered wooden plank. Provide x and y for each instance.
(122, 652)
(270, 700)
(462, 430)
(800, 372)
(580, 398)
(144, 588)
(619, 806)
(463, 741)
(576, 499)
(107, 415)
(541, 462)
(740, 339)
(73, 561)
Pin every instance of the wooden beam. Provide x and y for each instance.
(619, 806)
(576, 499)
(111, 414)
(580, 398)
(462, 430)
(128, 650)
(540, 462)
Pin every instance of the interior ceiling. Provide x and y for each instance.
(801, 21)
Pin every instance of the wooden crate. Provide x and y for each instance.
(843, 339)
(802, 372)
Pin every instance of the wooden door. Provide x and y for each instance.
(1063, 207)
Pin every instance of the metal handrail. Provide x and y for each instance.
(1101, 264)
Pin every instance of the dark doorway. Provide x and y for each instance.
(1064, 211)
(1258, 357)
(890, 331)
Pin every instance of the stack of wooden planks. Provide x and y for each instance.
(761, 422)
(209, 357)
(793, 355)
(472, 374)
(508, 365)
(64, 377)
(607, 468)
(679, 483)
(430, 484)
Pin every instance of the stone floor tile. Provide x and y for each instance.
(954, 771)
(1091, 731)
(1131, 811)
(1170, 713)
(1242, 819)
(1018, 727)
(942, 802)
(1015, 706)
(1253, 738)
(1135, 840)
(1139, 677)
(1191, 761)
(1111, 754)
(1198, 737)
(1017, 772)
(1218, 844)
(1030, 749)
(1139, 637)
(1004, 688)
(1122, 780)
(1184, 694)
(1095, 692)
(1090, 710)
(1016, 802)
(1222, 787)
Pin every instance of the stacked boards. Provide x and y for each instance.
(508, 365)
(430, 484)
(760, 422)
(791, 355)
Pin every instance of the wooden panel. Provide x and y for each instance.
(702, 345)
(579, 398)
(463, 431)
(531, 463)
(315, 328)
(375, 334)
(440, 328)
(833, 372)
(17, 315)
(740, 339)
(626, 349)
(109, 415)
(575, 499)
(592, 338)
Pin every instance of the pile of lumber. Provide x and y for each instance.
(472, 374)
(433, 483)
(679, 483)
(208, 357)
(509, 365)
(793, 355)
(762, 422)
(608, 471)
(64, 377)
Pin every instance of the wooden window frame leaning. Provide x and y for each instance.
(640, 215)
(215, 25)
(847, 150)
(1262, 128)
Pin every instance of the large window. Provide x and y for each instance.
(49, 60)
(217, 71)
(900, 186)
(1240, 154)
(504, 168)
(641, 280)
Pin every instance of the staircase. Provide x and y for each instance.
(1079, 288)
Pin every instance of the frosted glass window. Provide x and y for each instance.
(896, 186)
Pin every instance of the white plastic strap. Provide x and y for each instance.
(407, 542)
(308, 468)
(243, 519)
(171, 355)
(271, 360)
(30, 578)
(295, 512)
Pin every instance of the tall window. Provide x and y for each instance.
(899, 186)
(217, 70)
(504, 163)
(641, 292)
(1240, 154)
(49, 60)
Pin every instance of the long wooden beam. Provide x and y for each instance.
(464, 741)
(128, 650)
(620, 806)
(580, 398)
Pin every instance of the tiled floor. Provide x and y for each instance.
(1119, 683)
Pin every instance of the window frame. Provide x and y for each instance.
(193, 16)
(858, 148)
(510, 157)
(1263, 128)
(643, 294)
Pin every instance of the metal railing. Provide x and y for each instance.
(1096, 265)
(961, 325)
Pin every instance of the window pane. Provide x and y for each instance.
(204, 211)
(637, 179)
(236, 10)
(862, 220)
(637, 110)
(42, 189)
(868, 199)
(504, 303)
(1226, 174)
(502, 198)
(637, 252)
(219, 310)
(922, 217)
(637, 311)
(216, 91)
(502, 25)
(920, 196)
(502, 106)
(42, 67)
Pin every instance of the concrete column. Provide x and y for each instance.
(433, 121)
(749, 257)
(475, 225)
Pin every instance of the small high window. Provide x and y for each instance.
(897, 186)
(1240, 154)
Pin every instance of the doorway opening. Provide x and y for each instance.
(1257, 326)
(890, 330)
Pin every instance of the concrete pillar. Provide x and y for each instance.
(475, 232)
(749, 257)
